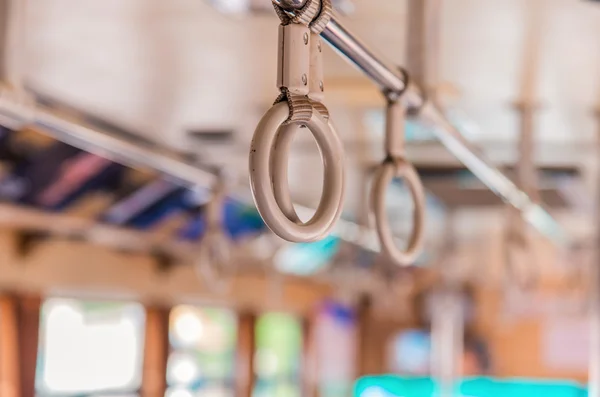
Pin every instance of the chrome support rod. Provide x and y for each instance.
(120, 150)
(387, 77)
(290, 4)
(392, 82)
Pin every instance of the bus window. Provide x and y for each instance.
(89, 348)
(202, 359)
(278, 355)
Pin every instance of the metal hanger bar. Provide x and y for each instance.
(117, 147)
(392, 83)
(135, 154)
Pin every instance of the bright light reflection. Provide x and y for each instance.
(188, 327)
(179, 393)
(82, 355)
(183, 369)
(232, 6)
(267, 363)
(374, 391)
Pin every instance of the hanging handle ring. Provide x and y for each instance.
(395, 165)
(214, 265)
(521, 263)
(268, 179)
(214, 262)
(300, 80)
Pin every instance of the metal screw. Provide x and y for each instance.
(319, 46)
(306, 38)
(304, 79)
(321, 86)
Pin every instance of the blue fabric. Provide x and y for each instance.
(171, 204)
(239, 221)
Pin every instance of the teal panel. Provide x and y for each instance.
(396, 386)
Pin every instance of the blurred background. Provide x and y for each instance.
(102, 291)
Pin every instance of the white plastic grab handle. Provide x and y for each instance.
(280, 176)
(269, 153)
(214, 262)
(384, 176)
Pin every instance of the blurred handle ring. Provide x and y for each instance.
(269, 154)
(385, 174)
(214, 263)
(521, 262)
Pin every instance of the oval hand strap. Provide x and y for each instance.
(299, 108)
(521, 265)
(268, 176)
(214, 263)
(393, 166)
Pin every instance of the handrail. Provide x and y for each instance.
(388, 78)
(392, 82)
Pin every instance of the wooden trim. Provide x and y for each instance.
(156, 352)
(81, 269)
(9, 352)
(310, 364)
(363, 340)
(29, 329)
(245, 352)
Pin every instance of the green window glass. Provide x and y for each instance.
(202, 358)
(278, 355)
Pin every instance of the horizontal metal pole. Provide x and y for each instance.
(385, 76)
(389, 79)
(136, 154)
(392, 82)
(491, 176)
(121, 150)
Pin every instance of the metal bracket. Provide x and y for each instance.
(293, 66)
(316, 86)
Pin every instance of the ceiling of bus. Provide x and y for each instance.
(167, 68)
